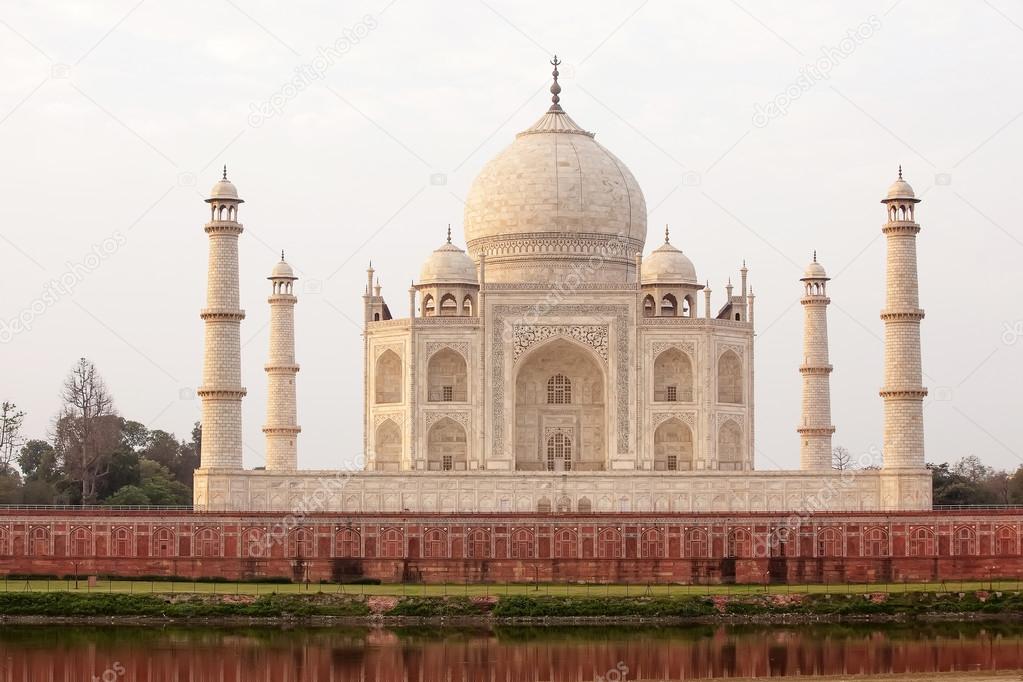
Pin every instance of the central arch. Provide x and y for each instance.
(560, 399)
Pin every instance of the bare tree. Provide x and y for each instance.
(11, 419)
(841, 458)
(87, 430)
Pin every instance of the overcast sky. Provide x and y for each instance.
(115, 118)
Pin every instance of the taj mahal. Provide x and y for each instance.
(550, 366)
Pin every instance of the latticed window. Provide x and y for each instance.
(559, 390)
(447, 463)
(448, 394)
(672, 394)
(672, 462)
(559, 451)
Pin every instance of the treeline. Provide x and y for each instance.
(970, 481)
(92, 455)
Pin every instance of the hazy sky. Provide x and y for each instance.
(758, 130)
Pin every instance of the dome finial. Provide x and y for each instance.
(900, 171)
(282, 255)
(815, 255)
(449, 233)
(555, 88)
(224, 177)
(666, 233)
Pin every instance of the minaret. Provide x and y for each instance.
(221, 389)
(903, 390)
(281, 415)
(815, 427)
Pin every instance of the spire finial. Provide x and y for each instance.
(224, 177)
(555, 88)
(665, 233)
(282, 255)
(449, 233)
(815, 255)
(900, 171)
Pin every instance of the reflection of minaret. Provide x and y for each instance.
(815, 427)
(221, 389)
(281, 413)
(903, 391)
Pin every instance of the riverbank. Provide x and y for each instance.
(35, 607)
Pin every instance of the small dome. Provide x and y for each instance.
(282, 271)
(668, 265)
(900, 189)
(224, 189)
(448, 265)
(815, 271)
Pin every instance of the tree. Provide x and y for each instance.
(87, 429)
(11, 420)
(156, 487)
(38, 461)
(841, 458)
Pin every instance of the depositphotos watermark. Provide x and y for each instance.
(62, 286)
(312, 71)
(818, 70)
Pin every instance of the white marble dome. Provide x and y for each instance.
(668, 265)
(815, 271)
(448, 265)
(900, 189)
(554, 199)
(282, 270)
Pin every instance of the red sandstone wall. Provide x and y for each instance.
(636, 548)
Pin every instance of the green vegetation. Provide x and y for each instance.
(71, 605)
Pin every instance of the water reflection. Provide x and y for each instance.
(505, 654)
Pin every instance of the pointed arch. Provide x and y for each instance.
(560, 388)
(829, 542)
(673, 446)
(522, 544)
(387, 446)
(673, 377)
(446, 448)
(467, 305)
(566, 544)
(652, 544)
(80, 542)
(730, 446)
(649, 306)
(435, 544)
(1006, 541)
(696, 543)
(447, 377)
(387, 379)
(448, 305)
(669, 306)
(163, 543)
(122, 542)
(730, 378)
(206, 543)
(348, 543)
(964, 541)
(429, 306)
(875, 542)
(584, 506)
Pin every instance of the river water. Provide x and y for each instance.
(969, 651)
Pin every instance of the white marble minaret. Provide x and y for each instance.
(815, 428)
(221, 389)
(281, 416)
(903, 391)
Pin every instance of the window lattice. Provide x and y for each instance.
(559, 450)
(559, 390)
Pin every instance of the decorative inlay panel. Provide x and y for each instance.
(723, 417)
(688, 418)
(619, 314)
(527, 335)
(379, 349)
(738, 350)
(687, 347)
(396, 417)
(432, 417)
(461, 347)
